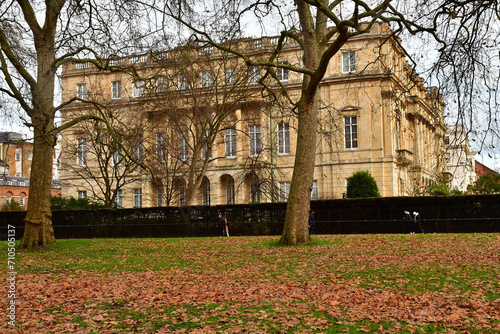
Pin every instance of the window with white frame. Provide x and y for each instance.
(230, 142)
(182, 193)
(117, 158)
(229, 190)
(18, 154)
(139, 151)
(81, 194)
(160, 147)
(253, 74)
(138, 198)
(119, 198)
(349, 62)
(448, 157)
(138, 88)
(314, 190)
(351, 132)
(116, 89)
(183, 146)
(21, 184)
(22, 201)
(161, 84)
(282, 73)
(159, 196)
(230, 76)
(81, 91)
(204, 148)
(255, 145)
(81, 152)
(182, 82)
(206, 78)
(283, 138)
(257, 44)
(284, 188)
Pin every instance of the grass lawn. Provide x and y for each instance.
(433, 283)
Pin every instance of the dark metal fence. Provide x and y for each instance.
(382, 215)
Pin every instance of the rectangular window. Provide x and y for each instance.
(204, 149)
(447, 140)
(283, 138)
(21, 184)
(282, 73)
(206, 78)
(183, 146)
(257, 44)
(183, 82)
(161, 84)
(117, 158)
(314, 190)
(21, 201)
(81, 91)
(230, 142)
(230, 76)
(182, 194)
(284, 191)
(19, 154)
(138, 88)
(253, 74)
(116, 91)
(139, 151)
(119, 198)
(255, 145)
(159, 196)
(351, 132)
(448, 157)
(160, 147)
(349, 62)
(82, 194)
(82, 152)
(138, 198)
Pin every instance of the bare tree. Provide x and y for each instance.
(194, 105)
(106, 160)
(36, 39)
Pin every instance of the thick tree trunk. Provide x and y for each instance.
(296, 229)
(38, 230)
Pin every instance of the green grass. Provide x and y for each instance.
(352, 284)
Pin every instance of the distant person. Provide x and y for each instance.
(312, 222)
(417, 221)
(226, 227)
(408, 219)
(221, 226)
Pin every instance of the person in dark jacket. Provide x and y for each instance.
(417, 221)
(221, 226)
(312, 223)
(409, 220)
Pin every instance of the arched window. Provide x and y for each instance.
(229, 190)
(205, 192)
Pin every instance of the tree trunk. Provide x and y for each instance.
(38, 222)
(296, 229)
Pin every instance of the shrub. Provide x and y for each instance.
(11, 206)
(486, 184)
(362, 184)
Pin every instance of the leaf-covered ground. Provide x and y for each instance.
(353, 284)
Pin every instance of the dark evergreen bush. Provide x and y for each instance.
(362, 184)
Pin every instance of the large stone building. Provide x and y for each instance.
(212, 136)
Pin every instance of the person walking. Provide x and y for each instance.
(408, 219)
(221, 226)
(312, 222)
(417, 221)
(226, 227)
